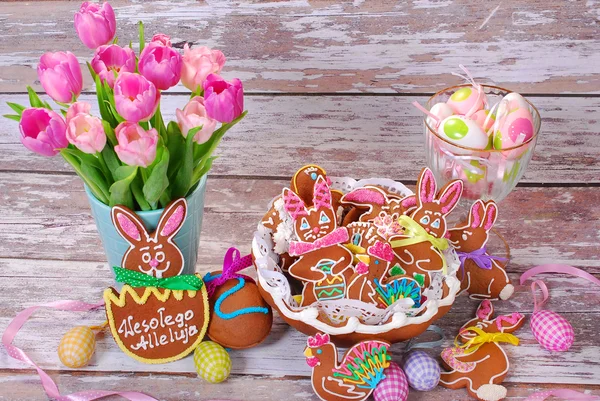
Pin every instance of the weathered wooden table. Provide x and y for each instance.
(329, 84)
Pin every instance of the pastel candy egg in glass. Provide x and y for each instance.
(441, 111)
(465, 100)
(484, 119)
(516, 129)
(516, 101)
(464, 132)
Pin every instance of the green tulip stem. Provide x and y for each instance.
(93, 187)
(105, 169)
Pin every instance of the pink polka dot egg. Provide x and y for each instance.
(467, 100)
(517, 128)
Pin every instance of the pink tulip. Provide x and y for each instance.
(198, 63)
(136, 98)
(86, 133)
(43, 131)
(60, 75)
(111, 59)
(136, 147)
(194, 115)
(224, 101)
(95, 24)
(161, 65)
(78, 108)
(162, 39)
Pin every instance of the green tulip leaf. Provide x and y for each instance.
(158, 180)
(12, 117)
(96, 176)
(120, 191)
(35, 100)
(176, 145)
(183, 179)
(138, 194)
(91, 70)
(74, 161)
(142, 38)
(16, 107)
(110, 133)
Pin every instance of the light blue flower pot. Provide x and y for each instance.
(187, 239)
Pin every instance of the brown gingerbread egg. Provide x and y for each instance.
(240, 318)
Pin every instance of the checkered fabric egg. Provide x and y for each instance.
(422, 371)
(212, 362)
(551, 330)
(77, 347)
(394, 387)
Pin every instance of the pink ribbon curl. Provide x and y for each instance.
(233, 262)
(48, 384)
(563, 393)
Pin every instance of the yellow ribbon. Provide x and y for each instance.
(417, 234)
(482, 338)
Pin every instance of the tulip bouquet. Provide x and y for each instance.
(129, 155)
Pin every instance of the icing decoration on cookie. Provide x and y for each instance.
(364, 282)
(482, 275)
(212, 362)
(403, 288)
(394, 387)
(154, 254)
(360, 371)
(240, 317)
(324, 265)
(480, 364)
(420, 248)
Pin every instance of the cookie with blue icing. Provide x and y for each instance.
(239, 316)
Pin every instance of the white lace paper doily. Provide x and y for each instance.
(358, 316)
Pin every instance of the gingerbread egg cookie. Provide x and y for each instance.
(240, 318)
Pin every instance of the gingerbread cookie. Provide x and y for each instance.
(168, 318)
(360, 371)
(480, 364)
(324, 265)
(482, 276)
(303, 183)
(240, 318)
(154, 254)
(419, 248)
(377, 205)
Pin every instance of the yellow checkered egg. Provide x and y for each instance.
(77, 347)
(212, 362)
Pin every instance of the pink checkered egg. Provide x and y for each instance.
(422, 371)
(552, 331)
(467, 99)
(394, 387)
(464, 132)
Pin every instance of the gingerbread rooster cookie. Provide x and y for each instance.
(480, 364)
(159, 315)
(482, 275)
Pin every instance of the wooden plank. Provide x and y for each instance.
(21, 386)
(353, 136)
(281, 354)
(301, 46)
(47, 217)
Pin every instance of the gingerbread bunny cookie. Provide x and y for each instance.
(482, 276)
(154, 254)
(420, 248)
(481, 364)
(324, 265)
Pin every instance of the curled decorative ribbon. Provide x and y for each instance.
(189, 282)
(563, 393)
(232, 263)
(412, 344)
(337, 236)
(48, 384)
(482, 338)
(417, 234)
(558, 268)
(480, 257)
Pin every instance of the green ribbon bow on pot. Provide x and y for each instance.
(188, 282)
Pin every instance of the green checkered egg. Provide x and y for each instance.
(212, 362)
